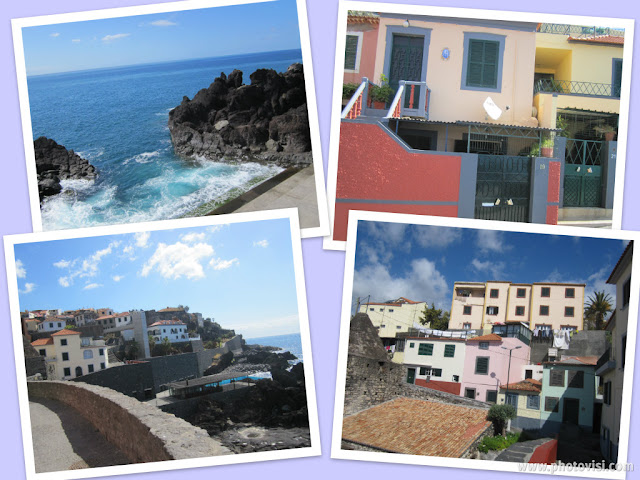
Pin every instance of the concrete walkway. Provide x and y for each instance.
(64, 440)
(298, 190)
(521, 452)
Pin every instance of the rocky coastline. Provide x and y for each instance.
(54, 163)
(264, 121)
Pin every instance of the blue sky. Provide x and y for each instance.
(422, 262)
(188, 34)
(241, 274)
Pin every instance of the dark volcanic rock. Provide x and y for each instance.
(266, 120)
(55, 163)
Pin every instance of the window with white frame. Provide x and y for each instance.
(352, 51)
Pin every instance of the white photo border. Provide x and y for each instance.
(23, 398)
(355, 217)
(25, 113)
(345, 5)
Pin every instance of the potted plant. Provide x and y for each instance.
(380, 94)
(546, 147)
(348, 89)
(607, 131)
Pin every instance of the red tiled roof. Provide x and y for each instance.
(588, 360)
(167, 322)
(444, 339)
(417, 427)
(65, 332)
(448, 387)
(608, 39)
(169, 309)
(528, 385)
(42, 341)
(492, 337)
(355, 16)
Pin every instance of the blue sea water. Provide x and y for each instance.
(117, 119)
(291, 342)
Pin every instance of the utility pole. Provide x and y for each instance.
(506, 395)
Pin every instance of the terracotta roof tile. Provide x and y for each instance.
(608, 39)
(166, 322)
(417, 427)
(492, 337)
(65, 332)
(528, 385)
(42, 341)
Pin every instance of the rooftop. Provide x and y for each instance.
(196, 382)
(65, 332)
(436, 429)
(492, 337)
(166, 322)
(528, 385)
(171, 309)
(588, 360)
(42, 341)
(604, 39)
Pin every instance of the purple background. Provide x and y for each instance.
(323, 269)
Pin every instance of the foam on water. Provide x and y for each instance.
(144, 157)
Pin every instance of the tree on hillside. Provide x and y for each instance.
(434, 317)
(598, 306)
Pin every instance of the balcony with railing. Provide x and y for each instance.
(605, 363)
(582, 31)
(569, 87)
(518, 331)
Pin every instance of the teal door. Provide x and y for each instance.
(512, 399)
(583, 173)
(406, 64)
(411, 375)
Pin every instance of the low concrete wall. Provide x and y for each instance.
(133, 379)
(142, 432)
(545, 453)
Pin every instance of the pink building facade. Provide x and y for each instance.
(486, 364)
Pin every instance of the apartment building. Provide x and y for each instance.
(174, 330)
(546, 306)
(393, 317)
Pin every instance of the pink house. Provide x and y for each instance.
(486, 361)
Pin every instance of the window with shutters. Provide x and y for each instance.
(616, 77)
(575, 379)
(482, 365)
(551, 404)
(423, 370)
(425, 349)
(533, 402)
(352, 49)
(482, 62)
(492, 396)
(556, 378)
(449, 350)
(437, 372)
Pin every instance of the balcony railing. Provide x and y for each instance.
(407, 100)
(358, 101)
(579, 30)
(548, 85)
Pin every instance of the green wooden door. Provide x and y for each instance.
(406, 64)
(411, 375)
(583, 173)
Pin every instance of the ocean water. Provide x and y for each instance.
(291, 342)
(117, 119)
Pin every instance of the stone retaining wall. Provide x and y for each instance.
(142, 432)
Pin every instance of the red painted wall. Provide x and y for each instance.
(373, 166)
(545, 453)
(448, 387)
(553, 192)
(367, 58)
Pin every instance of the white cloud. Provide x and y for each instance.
(217, 228)
(261, 243)
(28, 288)
(21, 272)
(62, 264)
(91, 286)
(596, 282)
(128, 249)
(142, 239)
(117, 36)
(436, 237)
(90, 264)
(192, 237)
(54, 35)
(495, 269)
(117, 278)
(163, 23)
(422, 282)
(178, 260)
(391, 233)
(491, 241)
(219, 264)
(64, 281)
(76, 40)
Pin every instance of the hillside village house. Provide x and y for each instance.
(524, 396)
(174, 330)
(393, 317)
(482, 109)
(84, 317)
(610, 366)
(51, 324)
(545, 306)
(435, 362)
(68, 355)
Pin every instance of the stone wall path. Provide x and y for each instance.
(64, 440)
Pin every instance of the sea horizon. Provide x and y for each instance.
(291, 342)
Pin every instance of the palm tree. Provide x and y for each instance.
(599, 304)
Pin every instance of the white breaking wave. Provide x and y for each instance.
(144, 157)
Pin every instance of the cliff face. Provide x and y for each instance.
(55, 163)
(265, 121)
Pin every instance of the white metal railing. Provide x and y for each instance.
(356, 101)
(416, 107)
(394, 110)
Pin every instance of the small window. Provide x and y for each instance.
(90, 366)
(494, 293)
(466, 310)
(492, 310)
(352, 51)
(533, 402)
(65, 356)
(482, 63)
(626, 292)
(449, 350)
(482, 365)
(102, 366)
(606, 397)
(575, 379)
(569, 293)
(470, 393)
(551, 404)
(382, 309)
(545, 292)
(437, 372)
(521, 293)
(391, 309)
(466, 326)
(398, 327)
(42, 352)
(520, 311)
(492, 396)
(101, 352)
(383, 326)
(67, 372)
(423, 370)
(63, 342)
(87, 354)
(372, 309)
(544, 310)
(59, 325)
(624, 349)
(528, 373)
(556, 378)
(411, 345)
(483, 346)
(568, 311)
(425, 349)
(456, 378)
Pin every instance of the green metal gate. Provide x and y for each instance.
(503, 187)
(583, 173)
(406, 62)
